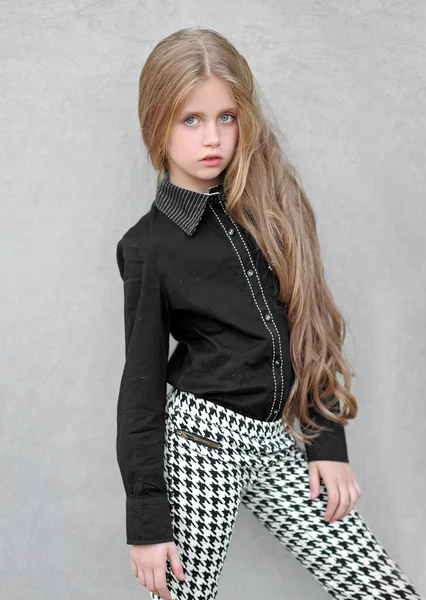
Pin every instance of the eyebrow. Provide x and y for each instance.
(198, 112)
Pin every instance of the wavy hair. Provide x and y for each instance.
(264, 194)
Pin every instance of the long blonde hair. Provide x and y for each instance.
(264, 195)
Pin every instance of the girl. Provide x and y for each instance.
(227, 260)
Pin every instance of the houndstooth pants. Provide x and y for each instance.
(215, 459)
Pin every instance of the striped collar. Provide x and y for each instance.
(185, 207)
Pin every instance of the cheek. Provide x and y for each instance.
(233, 136)
(180, 142)
(173, 142)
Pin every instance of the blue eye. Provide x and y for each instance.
(225, 114)
(229, 115)
(189, 118)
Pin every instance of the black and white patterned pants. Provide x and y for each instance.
(214, 460)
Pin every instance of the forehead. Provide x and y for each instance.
(211, 96)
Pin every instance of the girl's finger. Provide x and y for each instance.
(141, 577)
(353, 498)
(357, 487)
(149, 581)
(344, 502)
(333, 494)
(134, 567)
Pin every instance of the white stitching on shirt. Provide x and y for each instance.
(264, 299)
(254, 297)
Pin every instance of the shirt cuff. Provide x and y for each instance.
(329, 445)
(148, 520)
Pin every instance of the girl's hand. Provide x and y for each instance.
(342, 487)
(148, 563)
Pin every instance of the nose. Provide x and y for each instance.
(211, 137)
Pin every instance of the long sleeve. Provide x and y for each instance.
(329, 445)
(142, 394)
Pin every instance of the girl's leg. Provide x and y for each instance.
(204, 490)
(344, 556)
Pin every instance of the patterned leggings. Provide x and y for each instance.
(214, 460)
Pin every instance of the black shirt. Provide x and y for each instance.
(190, 270)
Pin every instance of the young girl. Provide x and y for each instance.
(227, 260)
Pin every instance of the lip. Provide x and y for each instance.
(215, 160)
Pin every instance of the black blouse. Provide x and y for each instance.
(190, 270)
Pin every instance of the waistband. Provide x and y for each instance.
(217, 415)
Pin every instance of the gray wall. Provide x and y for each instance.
(346, 82)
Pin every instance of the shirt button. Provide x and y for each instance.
(277, 361)
(250, 272)
(231, 231)
(267, 316)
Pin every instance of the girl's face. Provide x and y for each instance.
(207, 124)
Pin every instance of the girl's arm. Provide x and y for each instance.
(329, 445)
(142, 394)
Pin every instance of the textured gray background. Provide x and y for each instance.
(346, 82)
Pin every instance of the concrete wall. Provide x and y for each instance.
(346, 83)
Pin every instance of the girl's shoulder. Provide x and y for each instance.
(143, 238)
(136, 236)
